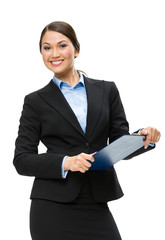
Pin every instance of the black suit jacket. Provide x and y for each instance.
(48, 118)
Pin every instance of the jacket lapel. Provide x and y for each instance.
(94, 90)
(53, 96)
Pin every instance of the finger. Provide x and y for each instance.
(92, 156)
(93, 153)
(148, 140)
(81, 170)
(156, 136)
(83, 163)
(143, 132)
(87, 164)
(152, 136)
(92, 159)
(80, 167)
(87, 157)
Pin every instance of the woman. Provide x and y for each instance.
(73, 116)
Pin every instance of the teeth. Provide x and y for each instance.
(57, 62)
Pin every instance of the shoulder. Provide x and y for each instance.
(109, 85)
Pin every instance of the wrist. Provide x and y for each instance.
(67, 164)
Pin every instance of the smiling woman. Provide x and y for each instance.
(73, 116)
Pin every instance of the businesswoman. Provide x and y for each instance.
(73, 116)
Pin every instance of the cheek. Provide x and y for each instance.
(45, 57)
(69, 53)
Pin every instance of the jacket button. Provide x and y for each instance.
(86, 144)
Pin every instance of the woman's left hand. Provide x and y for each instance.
(152, 135)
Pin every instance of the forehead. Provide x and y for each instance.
(52, 37)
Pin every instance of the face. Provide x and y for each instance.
(58, 53)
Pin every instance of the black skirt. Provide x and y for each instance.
(83, 219)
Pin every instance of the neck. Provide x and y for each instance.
(72, 78)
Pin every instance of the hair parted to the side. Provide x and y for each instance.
(63, 28)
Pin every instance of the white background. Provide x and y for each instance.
(121, 41)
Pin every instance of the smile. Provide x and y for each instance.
(56, 63)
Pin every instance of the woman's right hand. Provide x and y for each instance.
(79, 162)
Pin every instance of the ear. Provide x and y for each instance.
(76, 54)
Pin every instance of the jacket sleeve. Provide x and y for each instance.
(27, 161)
(118, 122)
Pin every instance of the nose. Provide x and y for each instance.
(55, 53)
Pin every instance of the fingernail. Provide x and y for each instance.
(145, 147)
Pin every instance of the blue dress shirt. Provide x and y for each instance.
(77, 98)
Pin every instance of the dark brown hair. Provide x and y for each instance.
(63, 28)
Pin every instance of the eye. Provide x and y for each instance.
(46, 48)
(63, 45)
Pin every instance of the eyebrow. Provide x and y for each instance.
(57, 43)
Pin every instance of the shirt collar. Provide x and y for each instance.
(59, 83)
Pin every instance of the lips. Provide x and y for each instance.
(56, 63)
